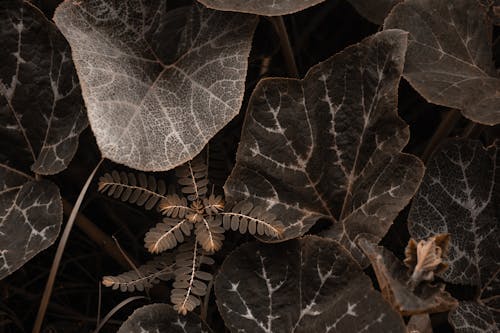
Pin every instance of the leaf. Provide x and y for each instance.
(420, 323)
(30, 218)
(471, 317)
(159, 317)
(449, 59)
(309, 284)
(397, 285)
(158, 84)
(459, 196)
(328, 146)
(41, 108)
(261, 7)
(374, 10)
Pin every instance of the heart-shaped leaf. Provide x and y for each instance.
(459, 196)
(158, 84)
(374, 10)
(155, 318)
(329, 146)
(41, 117)
(30, 218)
(41, 107)
(261, 7)
(309, 284)
(449, 59)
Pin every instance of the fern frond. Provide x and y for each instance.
(189, 282)
(159, 269)
(213, 204)
(174, 206)
(210, 234)
(246, 217)
(140, 189)
(167, 234)
(193, 178)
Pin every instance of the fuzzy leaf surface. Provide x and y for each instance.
(261, 7)
(449, 59)
(459, 195)
(30, 218)
(309, 284)
(41, 108)
(159, 317)
(158, 83)
(329, 146)
(374, 10)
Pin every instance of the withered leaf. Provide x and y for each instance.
(261, 7)
(329, 146)
(449, 59)
(395, 283)
(459, 195)
(374, 10)
(158, 317)
(30, 218)
(41, 107)
(158, 83)
(309, 284)
(419, 323)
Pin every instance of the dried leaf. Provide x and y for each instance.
(374, 10)
(41, 107)
(396, 284)
(158, 84)
(309, 284)
(328, 146)
(30, 218)
(449, 59)
(459, 195)
(261, 7)
(154, 318)
(420, 323)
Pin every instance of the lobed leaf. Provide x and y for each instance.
(309, 284)
(158, 83)
(329, 146)
(261, 7)
(449, 59)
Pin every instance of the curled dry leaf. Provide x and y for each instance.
(398, 288)
(460, 196)
(158, 84)
(154, 318)
(329, 146)
(309, 284)
(374, 10)
(449, 59)
(261, 7)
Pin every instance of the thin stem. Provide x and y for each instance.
(286, 47)
(115, 310)
(473, 130)
(444, 129)
(60, 249)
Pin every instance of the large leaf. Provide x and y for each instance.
(156, 318)
(374, 10)
(305, 285)
(41, 107)
(460, 196)
(158, 84)
(30, 218)
(449, 58)
(261, 7)
(328, 146)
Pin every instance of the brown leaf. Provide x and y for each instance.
(261, 7)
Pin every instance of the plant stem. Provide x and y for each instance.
(60, 249)
(286, 47)
(444, 129)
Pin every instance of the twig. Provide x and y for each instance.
(60, 249)
(115, 310)
(286, 47)
(444, 129)
(97, 235)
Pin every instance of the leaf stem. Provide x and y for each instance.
(286, 47)
(60, 249)
(444, 129)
